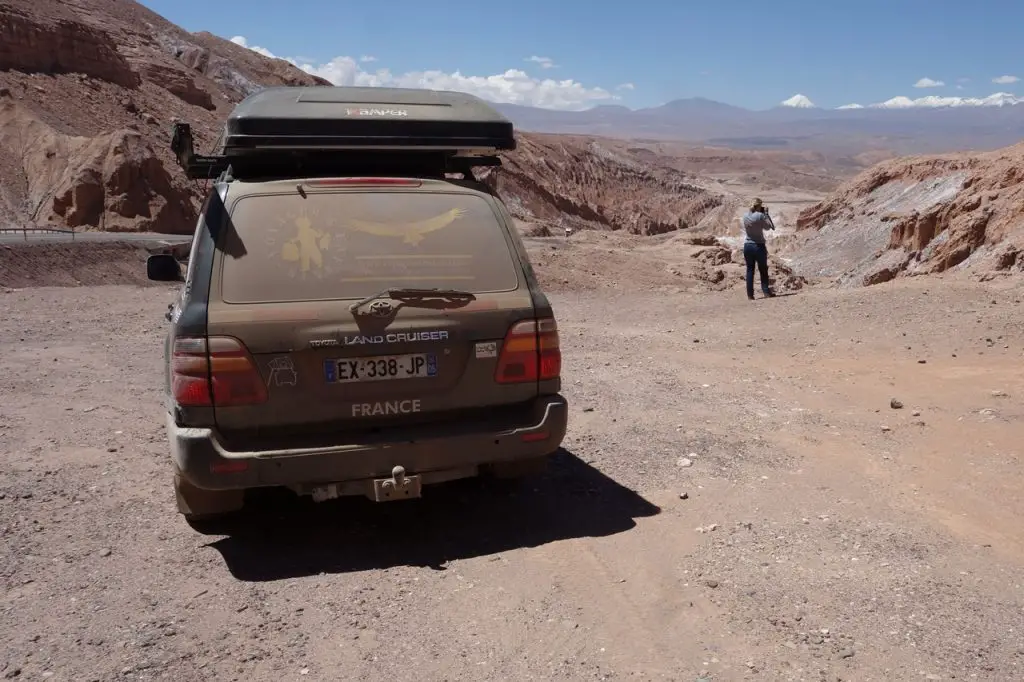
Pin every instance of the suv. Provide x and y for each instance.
(354, 317)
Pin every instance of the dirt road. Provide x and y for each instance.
(737, 500)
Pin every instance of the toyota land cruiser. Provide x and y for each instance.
(358, 314)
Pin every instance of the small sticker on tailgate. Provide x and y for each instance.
(487, 349)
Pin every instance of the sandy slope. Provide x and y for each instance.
(832, 548)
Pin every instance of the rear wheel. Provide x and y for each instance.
(204, 509)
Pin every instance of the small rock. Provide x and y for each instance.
(895, 404)
(11, 673)
(1000, 394)
(886, 429)
(915, 413)
(684, 462)
(105, 552)
(846, 653)
(711, 583)
(588, 409)
(684, 496)
(921, 362)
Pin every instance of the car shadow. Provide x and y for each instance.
(287, 537)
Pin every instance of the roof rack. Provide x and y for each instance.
(328, 130)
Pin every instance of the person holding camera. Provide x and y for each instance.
(755, 251)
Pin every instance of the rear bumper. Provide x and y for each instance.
(203, 460)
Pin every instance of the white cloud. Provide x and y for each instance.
(514, 86)
(365, 59)
(928, 83)
(625, 86)
(545, 62)
(1005, 80)
(240, 40)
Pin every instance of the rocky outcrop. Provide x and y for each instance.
(917, 216)
(113, 181)
(179, 83)
(116, 183)
(88, 91)
(585, 184)
(60, 46)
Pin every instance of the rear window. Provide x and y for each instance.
(354, 244)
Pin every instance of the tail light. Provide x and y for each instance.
(530, 353)
(214, 371)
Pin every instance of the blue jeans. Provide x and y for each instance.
(756, 254)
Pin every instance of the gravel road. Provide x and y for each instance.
(738, 499)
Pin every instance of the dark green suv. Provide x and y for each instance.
(358, 314)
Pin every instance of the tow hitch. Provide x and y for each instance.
(398, 487)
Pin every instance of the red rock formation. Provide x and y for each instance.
(920, 215)
(87, 94)
(179, 83)
(37, 44)
(584, 183)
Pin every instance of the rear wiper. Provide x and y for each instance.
(405, 294)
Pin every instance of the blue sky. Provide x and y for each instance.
(752, 54)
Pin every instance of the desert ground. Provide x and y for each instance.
(821, 486)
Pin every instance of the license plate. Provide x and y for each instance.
(381, 368)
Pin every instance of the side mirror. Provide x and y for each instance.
(163, 267)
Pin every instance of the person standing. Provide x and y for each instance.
(755, 251)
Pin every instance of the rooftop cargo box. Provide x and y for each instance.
(338, 126)
(358, 118)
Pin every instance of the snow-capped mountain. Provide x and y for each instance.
(799, 101)
(999, 99)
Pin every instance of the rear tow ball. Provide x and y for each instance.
(398, 487)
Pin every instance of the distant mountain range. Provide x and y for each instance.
(903, 125)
